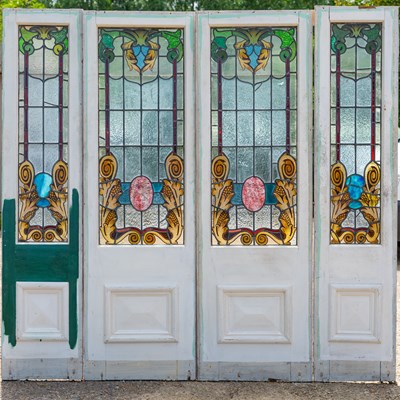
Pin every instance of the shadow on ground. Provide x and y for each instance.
(196, 391)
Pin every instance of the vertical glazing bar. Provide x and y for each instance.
(288, 105)
(337, 105)
(26, 94)
(373, 106)
(107, 95)
(60, 105)
(219, 107)
(174, 104)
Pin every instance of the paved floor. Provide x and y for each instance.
(203, 390)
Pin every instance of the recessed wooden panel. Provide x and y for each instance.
(254, 314)
(355, 313)
(42, 311)
(139, 314)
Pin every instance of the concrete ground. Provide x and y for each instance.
(148, 390)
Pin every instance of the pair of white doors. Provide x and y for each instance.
(158, 182)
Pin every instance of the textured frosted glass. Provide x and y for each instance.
(132, 127)
(363, 121)
(245, 96)
(50, 156)
(51, 92)
(150, 95)
(348, 158)
(150, 216)
(278, 128)
(364, 92)
(347, 125)
(229, 126)
(347, 92)
(278, 93)
(166, 127)
(35, 152)
(263, 95)
(35, 125)
(262, 217)
(116, 128)
(245, 128)
(363, 157)
(244, 163)
(262, 163)
(51, 125)
(229, 98)
(132, 163)
(150, 163)
(116, 91)
(132, 95)
(35, 90)
(165, 94)
(262, 128)
(149, 127)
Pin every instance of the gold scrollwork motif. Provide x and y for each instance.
(28, 197)
(173, 193)
(370, 203)
(58, 197)
(222, 193)
(285, 193)
(340, 205)
(109, 190)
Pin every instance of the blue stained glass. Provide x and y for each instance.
(253, 51)
(140, 52)
(157, 197)
(42, 182)
(270, 198)
(355, 184)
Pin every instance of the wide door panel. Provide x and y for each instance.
(140, 197)
(254, 230)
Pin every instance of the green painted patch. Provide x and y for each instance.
(39, 263)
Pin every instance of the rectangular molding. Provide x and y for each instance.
(140, 314)
(42, 311)
(254, 314)
(355, 313)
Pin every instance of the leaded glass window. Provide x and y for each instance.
(253, 118)
(43, 134)
(141, 136)
(356, 55)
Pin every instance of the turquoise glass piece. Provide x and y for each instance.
(43, 182)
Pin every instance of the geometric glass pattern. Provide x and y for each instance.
(356, 56)
(141, 136)
(43, 134)
(254, 135)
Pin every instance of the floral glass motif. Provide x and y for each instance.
(356, 53)
(43, 134)
(253, 118)
(141, 136)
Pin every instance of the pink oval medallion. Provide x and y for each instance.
(253, 193)
(141, 193)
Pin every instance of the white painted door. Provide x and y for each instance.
(355, 193)
(139, 211)
(254, 230)
(41, 194)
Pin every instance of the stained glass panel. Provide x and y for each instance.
(141, 136)
(356, 54)
(253, 119)
(43, 134)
